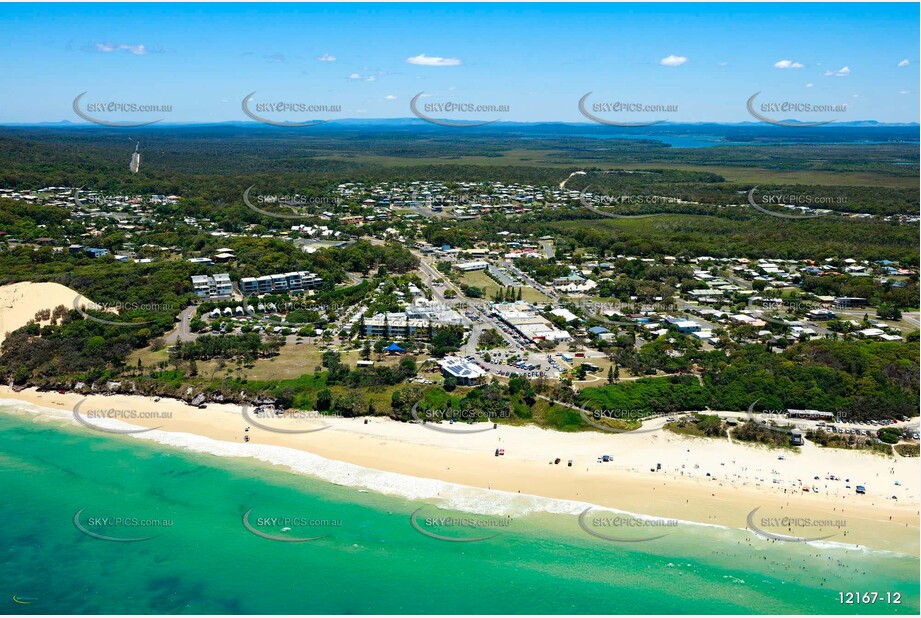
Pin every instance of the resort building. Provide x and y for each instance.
(416, 321)
(283, 282)
(218, 286)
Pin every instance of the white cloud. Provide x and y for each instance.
(673, 61)
(433, 61)
(829, 73)
(108, 48)
(722, 64)
(358, 77)
(787, 64)
(904, 92)
(326, 58)
(390, 97)
(843, 72)
(856, 96)
(809, 85)
(903, 63)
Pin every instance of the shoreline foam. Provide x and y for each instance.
(449, 494)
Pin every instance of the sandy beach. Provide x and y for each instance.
(705, 481)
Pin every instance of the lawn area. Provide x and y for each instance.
(292, 362)
(480, 279)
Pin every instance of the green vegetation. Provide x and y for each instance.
(490, 339)
(209, 167)
(651, 395)
(698, 425)
(762, 434)
(848, 441)
(867, 380)
(907, 450)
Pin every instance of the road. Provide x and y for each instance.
(182, 330)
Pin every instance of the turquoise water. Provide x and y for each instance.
(373, 561)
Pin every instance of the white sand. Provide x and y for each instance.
(742, 477)
(19, 302)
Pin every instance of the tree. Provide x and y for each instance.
(366, 350)
(450, 383)
(611, 375)
(888, 311)
(324, 399)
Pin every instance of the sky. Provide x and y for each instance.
(527, 62)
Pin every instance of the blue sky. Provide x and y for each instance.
(538, 59)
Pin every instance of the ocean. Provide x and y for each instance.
(102, 524)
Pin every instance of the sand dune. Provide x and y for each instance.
(19, 302)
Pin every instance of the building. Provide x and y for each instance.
(820, 314)
(416, 321)
(850, 301)
(222, 285)
(525, 319)
(566, 314)
(397, 325)
(218, 286)
(471, 266)
(282, 282)
(439, 313)
(466, 373)
(687, 326)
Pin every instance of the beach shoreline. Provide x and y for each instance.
(702, 481)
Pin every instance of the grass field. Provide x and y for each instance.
(292, 362)
(480, 279)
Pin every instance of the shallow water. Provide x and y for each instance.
(370, 558)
